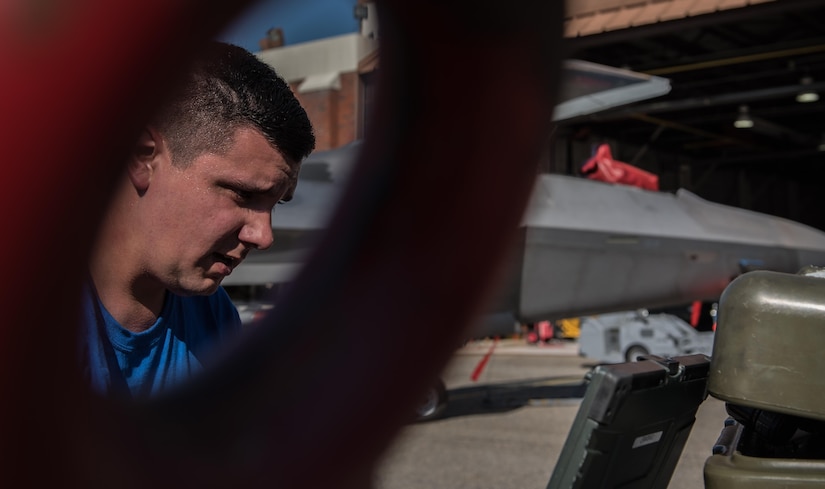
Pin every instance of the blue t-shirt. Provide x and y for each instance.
(118, 362)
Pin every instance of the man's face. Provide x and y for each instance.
(209, 215)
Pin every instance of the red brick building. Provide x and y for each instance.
(331, 78)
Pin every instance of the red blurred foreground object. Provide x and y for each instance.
(414, 251)
(601, 166)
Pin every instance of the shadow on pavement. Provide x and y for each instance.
(502, 397)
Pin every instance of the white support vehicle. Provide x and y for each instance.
(623, 336)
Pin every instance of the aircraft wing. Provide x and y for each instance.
(588, 88)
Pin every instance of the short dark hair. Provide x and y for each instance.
(228, 87)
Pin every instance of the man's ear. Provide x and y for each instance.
(144, 159)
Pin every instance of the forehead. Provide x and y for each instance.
(250, 155)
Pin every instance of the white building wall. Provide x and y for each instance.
(339, 54)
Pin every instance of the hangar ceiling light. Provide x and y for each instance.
(743, 120)
(807, 95)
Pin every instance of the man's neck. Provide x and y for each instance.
(134, 306)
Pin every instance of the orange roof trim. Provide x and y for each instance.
(633, 13)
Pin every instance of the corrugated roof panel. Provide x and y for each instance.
(624, 18)
(634, 14)
(700, 7)
(727, 4)
(651, 12)
(573, 27)
(583, 7)
(676, 10)
(595, 24)
(607, 17)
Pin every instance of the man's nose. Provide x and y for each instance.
(257, 231)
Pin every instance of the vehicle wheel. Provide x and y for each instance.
(434, 402)
(632, 354)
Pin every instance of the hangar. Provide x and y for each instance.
(725, 60)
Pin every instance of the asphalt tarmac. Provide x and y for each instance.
(506, 423)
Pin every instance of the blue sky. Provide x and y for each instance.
(301, 21)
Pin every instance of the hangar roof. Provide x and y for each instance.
(719, 56)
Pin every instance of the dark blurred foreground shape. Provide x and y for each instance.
(72, 102)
